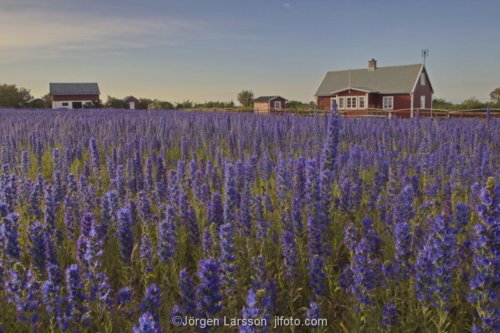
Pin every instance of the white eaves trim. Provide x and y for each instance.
(357, 89)
(418, 79)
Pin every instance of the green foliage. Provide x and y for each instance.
(97, 104)
(245, 98)
(472, 103)
(495, 96)
(468, 104)
(215, 105)
(48, 99)
(115, 103)
(145, 102)
(300, 105)
(186, 104)
(441, 103)
(12, 97)
(163, 105)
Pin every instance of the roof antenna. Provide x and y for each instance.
(425, 54)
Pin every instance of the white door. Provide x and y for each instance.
(131, 105)
(422, 102)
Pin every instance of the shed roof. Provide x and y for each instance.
(61, 89)
(125, 99)
(35, 100)
(267, 98)
(383, 80)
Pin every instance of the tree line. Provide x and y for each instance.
(468, 104)
(148, 103)
(12, 96)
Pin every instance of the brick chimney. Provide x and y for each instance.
(372, 64)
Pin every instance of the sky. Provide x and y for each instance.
(209, 50)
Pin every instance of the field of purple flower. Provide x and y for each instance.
(119, 221)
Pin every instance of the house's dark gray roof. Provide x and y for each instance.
(62, 89)
(125, 99)
(267, 98)
(383, 80)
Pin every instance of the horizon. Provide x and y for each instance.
(189, 49)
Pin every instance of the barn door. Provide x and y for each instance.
(131, 105)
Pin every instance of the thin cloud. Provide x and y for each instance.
(287, 5)
(29, 34)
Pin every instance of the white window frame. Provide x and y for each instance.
(422, 79)
(277, 104)
(341, 103)
(388, 106)
(352, 99)
(422, 102)
(362, 98)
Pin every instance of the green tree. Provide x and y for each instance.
(97, 104)
(471, 103)
(115, 103)
(11, 96)
(294, 105)
(215, 104)
(297, 105)
(245, 98)
(441, 103)
(164, 105)
(144, 103)
(186, 104)
(312, 105)
(495, 96)
(48, 100)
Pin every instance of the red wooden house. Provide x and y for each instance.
(268, 104)
(398, 90)
(131, 102)
(73, 95)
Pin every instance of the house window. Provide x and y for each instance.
(341, 102)
(277, 105)
(332, 101)
(422, 79)
(87, 103)
(388, 102)
(422, 102)
(64, 104)
(361, 102)
(351, 102)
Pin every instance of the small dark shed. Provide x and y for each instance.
(132, 102)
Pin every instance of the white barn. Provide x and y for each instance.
(73, 95)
